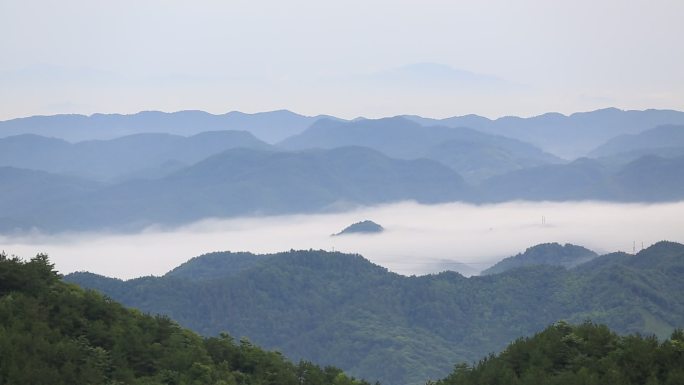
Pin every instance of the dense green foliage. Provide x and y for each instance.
(552, 254)
(216, 265)
(341, 310)
(587, 354)
(52, 332)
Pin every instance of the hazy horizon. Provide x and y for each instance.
(347, 59)
(323, 113)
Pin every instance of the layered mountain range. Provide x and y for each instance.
(58, 176)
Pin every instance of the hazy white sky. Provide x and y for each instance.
(347, 58)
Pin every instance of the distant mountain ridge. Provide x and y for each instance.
(252, 182)
(473, 154)
(262, 182)
(646, 179)
(655, 139)
(341, 308)
(128, 157)
(270, 126)
(567, 136)
(165, 179)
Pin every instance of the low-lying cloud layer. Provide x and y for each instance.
(418, 238)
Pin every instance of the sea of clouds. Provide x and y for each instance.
(418, 239)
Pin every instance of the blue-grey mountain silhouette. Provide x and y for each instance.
(270, 126)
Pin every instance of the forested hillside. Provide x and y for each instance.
(587, 354)
(343, 310)
(52, 332)
(552, 254)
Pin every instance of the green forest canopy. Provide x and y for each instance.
(52, 332)
(587, 354)
(342, 310)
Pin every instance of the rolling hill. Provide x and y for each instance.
(586, 353)
(342, 309)
(52, 332)
(551, 254)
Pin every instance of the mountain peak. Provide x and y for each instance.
(553, 254)
(663, 247)
(363, 227)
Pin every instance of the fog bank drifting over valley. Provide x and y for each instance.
(418, 239)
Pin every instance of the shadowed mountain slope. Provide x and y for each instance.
(647, 179)
(655, 140)
(24, 190)
(567, 136)
(473, 154)
(248, 182)
(133, 156)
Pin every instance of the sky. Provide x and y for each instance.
(418, 239)
(349, 58)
